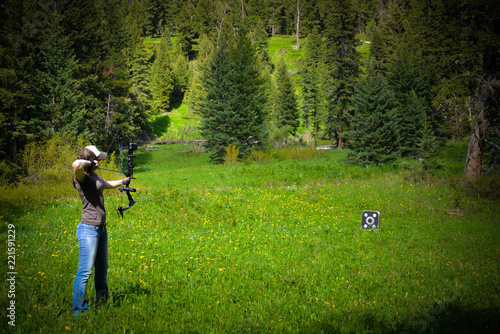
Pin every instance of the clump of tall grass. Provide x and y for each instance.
(299, 152)
(287, 153)
(485, 187)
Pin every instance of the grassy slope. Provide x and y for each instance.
(180, 116)
(273, 247)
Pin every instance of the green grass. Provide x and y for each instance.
(292, 57)
(273, 247)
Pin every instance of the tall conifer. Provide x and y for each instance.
(342, 62)
(312, 101)
(373, 126)
(234, 106)
(161, 78)
(58, 96)
(286, 111)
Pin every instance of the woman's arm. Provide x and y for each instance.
(116, 183)
(79, 168)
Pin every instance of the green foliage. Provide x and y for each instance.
(60, 111)
(180, 74)
(47, 171)
(342, 62)
(9, 171)
(259, 157)
(233, 110)
(285, 111)
(161, 78)
(49, 163)
(185, 28)
(373, 128)
(232, 152)
(411, 118)
(139, 75)
(487, 186)
(80, 68)
(378, 54)
(428, 144)
(312, 99)
(198, 66)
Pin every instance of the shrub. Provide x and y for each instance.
(299, 152)
(47, 171)
(50, 163)
(232, 152)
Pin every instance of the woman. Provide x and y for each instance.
(91, 231)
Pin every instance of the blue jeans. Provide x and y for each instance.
(93, 252)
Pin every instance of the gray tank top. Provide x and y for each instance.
(90, 190)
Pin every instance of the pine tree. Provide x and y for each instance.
(251, 99)
(427, 143)
(186, 28)
(198, 67)
(180, 73)
(342, 62)
(312, 101)
(60, 108)
(392, 26)
(286, 110)
(18, 52)
(378, 53)
(161, 78)
(373, 134)
(410, 121)
(139, 77)
(233, 108)
(412, 80)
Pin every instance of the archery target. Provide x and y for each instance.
(370, 220)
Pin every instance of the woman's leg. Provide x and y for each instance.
(88, 237)
(101, 267)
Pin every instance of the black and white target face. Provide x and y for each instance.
(370, 220)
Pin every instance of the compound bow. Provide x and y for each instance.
(129, 173)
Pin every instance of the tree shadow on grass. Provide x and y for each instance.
(452, 318)
(160, 125)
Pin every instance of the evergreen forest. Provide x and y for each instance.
(88, 69)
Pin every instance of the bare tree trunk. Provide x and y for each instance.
(221, 14)
(299, 10)
(272, 28)
(474, 162)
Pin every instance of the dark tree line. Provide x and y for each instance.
(79, 68)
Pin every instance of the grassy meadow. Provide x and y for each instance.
(268, 247)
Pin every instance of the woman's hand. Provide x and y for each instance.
(80, 165)
(126, 181)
